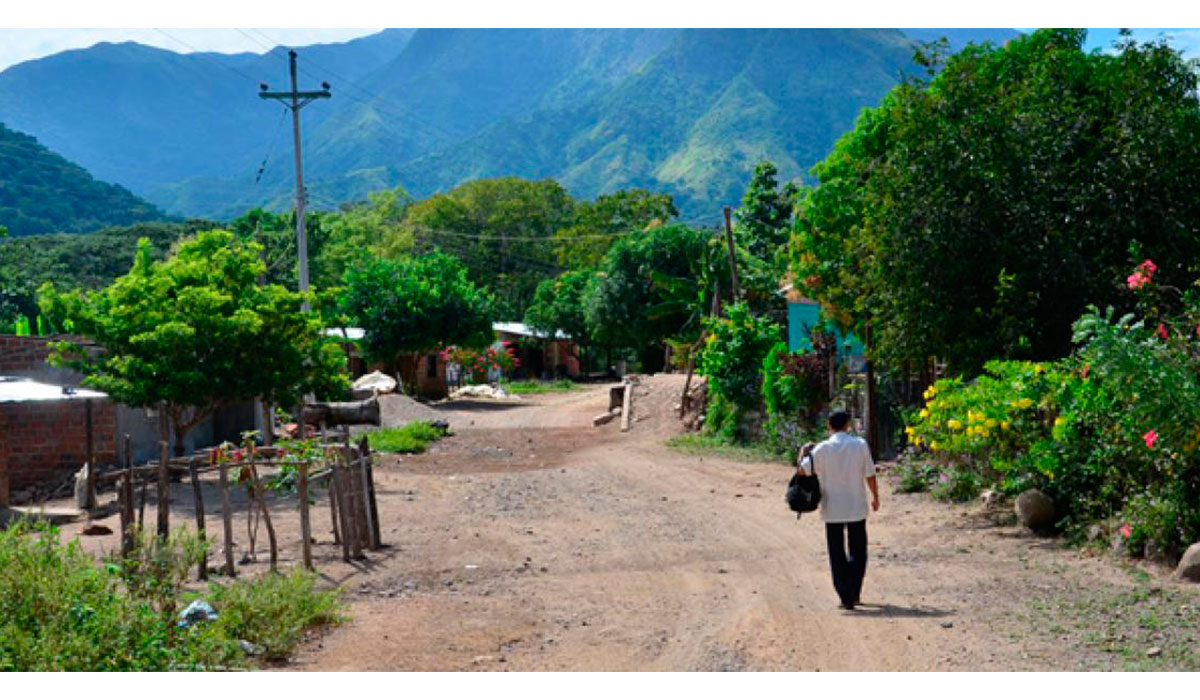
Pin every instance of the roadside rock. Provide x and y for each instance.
(1035, 509)
(1189, 564)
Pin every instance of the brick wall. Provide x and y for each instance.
(41, 442)
(21, 354)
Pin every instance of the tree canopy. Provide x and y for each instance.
(196, 331)
(977, 210)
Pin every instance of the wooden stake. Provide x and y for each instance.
(266, 515)
(353, 531)
(226, 518)
(164, 493)
(127, 501)
(364, 447)
(305, 527)
(737, 290)
(347, 531)
(334, 519)
(201, 532)
(627, 407)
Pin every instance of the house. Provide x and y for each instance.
(804, 315)
(541, 357)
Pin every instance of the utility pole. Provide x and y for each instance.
(295, 100)
(737, 290)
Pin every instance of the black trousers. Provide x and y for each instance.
(848, 570)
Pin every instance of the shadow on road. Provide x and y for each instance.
(471, 405)
(889, 610)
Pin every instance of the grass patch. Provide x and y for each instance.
(709, 446)
(61, 610)
(412, 438)
(539, 387)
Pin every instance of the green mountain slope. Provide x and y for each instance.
(42, 192)
(687, 111)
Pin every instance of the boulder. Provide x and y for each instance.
(1189, 564)
(375, 381)
(1035, 510)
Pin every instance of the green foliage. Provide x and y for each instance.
(274, 610)
(558, 305)
(765, 217)
(1109, 432)
(42, 192)
(793, 392)
(417, 304)
(59, 611)
(410, 438)
(539, 387)
(974, 214)
(956, 484)
(651, 287)
(715, 446)
(732, 361)
(74, 261)
(196, 331)
(597, 224)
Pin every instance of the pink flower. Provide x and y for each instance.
(1162, 332)
(237, 455)
(1150, 437)
(1126, 531)
(1148, 267)
(1137, 280)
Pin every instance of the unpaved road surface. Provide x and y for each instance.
(530, 540)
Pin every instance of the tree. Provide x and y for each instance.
(416, 305)
(598, 224)
(647, 291)
(558, 306)
(979, 209)
(765, 217)
(195, 332)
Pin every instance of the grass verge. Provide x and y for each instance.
(412, 438)
(706, 446)
(538, 387)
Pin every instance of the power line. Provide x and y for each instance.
(204, 55)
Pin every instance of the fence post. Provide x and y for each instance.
(364, 447)
(164, 493)
(262, 504)
(344, 523)
(201, 532)
(127, 502)
(226, 517)
(305, 528)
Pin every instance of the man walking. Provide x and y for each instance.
(843, 465)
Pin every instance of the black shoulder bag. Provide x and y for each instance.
(804, 491)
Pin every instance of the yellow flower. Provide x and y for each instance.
(991, 422)
(1025, 403)
(1005, 425)
(982, 432)
(924, 413)
(954, 424)
(908, 429)
(935, 446)
(1039, 368)
(917, 441)
(1059, 421)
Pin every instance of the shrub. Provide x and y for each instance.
(956, 484)
(732, 360)
(274, 610)
(410, 438)
(793, 396)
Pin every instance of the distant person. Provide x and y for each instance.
(844, 466)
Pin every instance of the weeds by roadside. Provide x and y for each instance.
(707, 445)
(412, 438)
(537, 387)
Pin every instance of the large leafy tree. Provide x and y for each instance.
(765, 217)
(416, 305)
(196, 331)
(598, 223)
(558, 306)
(978, 209)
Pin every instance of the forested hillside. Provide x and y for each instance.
(688, 112)
(42, 192)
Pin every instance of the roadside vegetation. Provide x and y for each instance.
(61, 610)
(411, 438)
(532, 386)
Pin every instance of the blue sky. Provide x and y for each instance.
(18, 45)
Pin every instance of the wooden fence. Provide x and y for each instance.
(344, 469)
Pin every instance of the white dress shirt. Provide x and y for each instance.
(843, 463)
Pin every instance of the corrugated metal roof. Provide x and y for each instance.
(21, 390)
(522, 329)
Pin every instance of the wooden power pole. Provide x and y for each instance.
(737, 289)
(294, 100)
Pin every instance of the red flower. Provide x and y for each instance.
(1162, 332)
(1126, 531)
(237, 455)
(1150, 437)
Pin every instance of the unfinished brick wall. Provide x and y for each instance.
(21, 354)
(41, 442)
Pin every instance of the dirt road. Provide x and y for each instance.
(531, 541)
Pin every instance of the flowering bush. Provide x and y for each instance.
(793, 395)
(1111, 431)
(478, 363)
(732, 360)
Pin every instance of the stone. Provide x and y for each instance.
(1035, 510)
(991, 498)
(1189, 564)
(1095, 532)
(97, 529)
(1153, 652)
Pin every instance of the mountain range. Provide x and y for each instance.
(686, 111)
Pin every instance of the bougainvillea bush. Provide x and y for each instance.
(1111, 433)
(476, 364)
